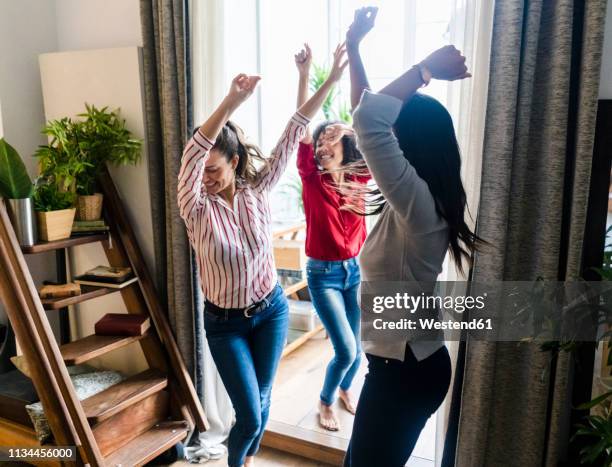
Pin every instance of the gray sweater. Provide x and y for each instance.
(409, 240)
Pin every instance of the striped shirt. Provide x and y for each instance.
(233, 244)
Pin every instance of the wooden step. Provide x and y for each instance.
(117, 431)
(66, 243)
(87, 293)
(107, 403)
(89, 347)
(149, 445)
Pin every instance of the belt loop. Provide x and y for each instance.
(226, 313)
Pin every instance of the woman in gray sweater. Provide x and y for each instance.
(408, 142)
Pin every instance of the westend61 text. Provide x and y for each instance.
(432, 324)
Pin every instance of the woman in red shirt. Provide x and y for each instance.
(334, 237)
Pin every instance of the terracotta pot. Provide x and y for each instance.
(55, 225)
(89, 207)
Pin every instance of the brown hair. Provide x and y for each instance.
(232, 141)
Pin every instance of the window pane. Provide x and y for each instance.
(241, 57)
(433, 10)
(285, 26)
(383, 48)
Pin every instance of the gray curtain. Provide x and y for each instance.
(166, 85)
(544, 79)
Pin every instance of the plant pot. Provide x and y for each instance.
(55, 225)
(89, 207)
(21, 213)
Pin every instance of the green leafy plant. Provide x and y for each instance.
(317, 78)
(294, 184)
(79, 149)
(344, 114)
(598, 430)
(49, 197)
(595, 430)
(104, 138)
(63, 160)
(15, 183)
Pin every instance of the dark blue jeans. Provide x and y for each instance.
(246, 352)
(334, 289)
(396, 400)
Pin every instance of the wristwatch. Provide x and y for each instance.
(425, 73)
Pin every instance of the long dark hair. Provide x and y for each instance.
(425, 132)
(232, 141)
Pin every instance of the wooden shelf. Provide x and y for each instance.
(293, 229)
(87, 293)
(66, 243)
(149, 445)
(291, 289)
(107, 403)
(89, 347)
(296, 343)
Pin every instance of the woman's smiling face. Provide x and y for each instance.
(328, 148)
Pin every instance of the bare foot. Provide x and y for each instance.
(249, 461)
(327, 417)
(347, 399)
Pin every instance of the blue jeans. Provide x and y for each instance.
(334, 289)
(246, 352)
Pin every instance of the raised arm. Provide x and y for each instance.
(407, 194)
(446, 63)
(303, 59)
(363, 22)
(296, 128)
(312, 105)
(190, 193)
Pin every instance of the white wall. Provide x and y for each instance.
(97, 24)
(27, 29)
(605, 85)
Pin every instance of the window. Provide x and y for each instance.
(262, 36)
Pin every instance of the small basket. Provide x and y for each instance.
(89, 207)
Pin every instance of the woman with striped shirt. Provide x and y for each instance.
(223, 197)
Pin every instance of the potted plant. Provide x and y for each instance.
(16, 187)
(103, 138)
(79, 149)
(54, 208)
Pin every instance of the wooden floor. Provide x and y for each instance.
(294, 402)
(266, 457)
(296, 394)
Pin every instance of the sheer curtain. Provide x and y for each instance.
(470, 31)
(207, 91)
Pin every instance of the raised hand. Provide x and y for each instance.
(334, 133)
(446, 63)
(363, 22)
(303, 59)
(242, 87)
(340, 63)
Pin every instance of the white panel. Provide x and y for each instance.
(94, 24)
(105, 77)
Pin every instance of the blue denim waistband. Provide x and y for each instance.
(329, 264)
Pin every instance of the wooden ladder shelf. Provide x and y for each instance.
(129, 423)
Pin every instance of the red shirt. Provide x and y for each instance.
(332, 234)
